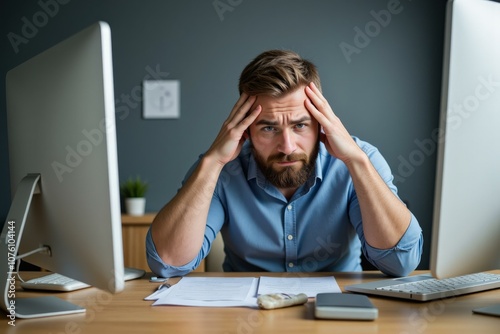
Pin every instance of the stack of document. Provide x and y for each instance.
(238, 291)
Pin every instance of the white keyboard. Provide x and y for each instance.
(448, 287)
(58, 282)
(54, 282)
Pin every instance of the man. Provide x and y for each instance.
(288, 187)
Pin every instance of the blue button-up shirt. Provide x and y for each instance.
(318, 229)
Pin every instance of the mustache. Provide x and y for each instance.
(281, 157)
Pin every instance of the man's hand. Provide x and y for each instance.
(385, 217)
(227, 145)
(336, 138)
(178, 229)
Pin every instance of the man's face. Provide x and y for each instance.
(285, 139)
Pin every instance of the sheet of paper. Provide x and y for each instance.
(238, 291)
(311, 286)
(211, 291)
(156, 294)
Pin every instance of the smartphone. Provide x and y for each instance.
(344, 306)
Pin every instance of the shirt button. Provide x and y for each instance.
(289, 207)
(290, 237)
(290, 265)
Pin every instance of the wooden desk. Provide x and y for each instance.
(127, 312)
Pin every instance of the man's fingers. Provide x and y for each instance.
(318, 99)
(241, 108)
(317, 114)
(251, 117)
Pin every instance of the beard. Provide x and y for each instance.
(289, 176)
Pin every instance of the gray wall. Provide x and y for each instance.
(385, 85)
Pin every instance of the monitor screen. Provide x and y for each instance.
(466, 226)
(62, 143)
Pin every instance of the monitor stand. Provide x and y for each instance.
(10, 240)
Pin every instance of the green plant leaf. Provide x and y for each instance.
(134, 188)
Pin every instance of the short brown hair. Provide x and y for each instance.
(277, 72)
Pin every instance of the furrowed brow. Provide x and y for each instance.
(301, 120)
(274, 123)
(266, 122)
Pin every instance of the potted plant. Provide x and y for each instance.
(134, 191)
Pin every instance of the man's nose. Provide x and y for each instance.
(287, 143)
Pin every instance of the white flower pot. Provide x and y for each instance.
(135, 206)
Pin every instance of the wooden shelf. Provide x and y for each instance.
(147, 219)
(134, 230)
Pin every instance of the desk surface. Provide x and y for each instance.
(127, 312)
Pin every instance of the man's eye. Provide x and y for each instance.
(300, 126)
(268, 129)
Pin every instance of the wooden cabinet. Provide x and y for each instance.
(134, 230)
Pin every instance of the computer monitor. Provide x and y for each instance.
(63, 170)
(466, 223)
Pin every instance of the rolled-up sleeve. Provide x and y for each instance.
(158, 267)
(214, 223)
(404, 257)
